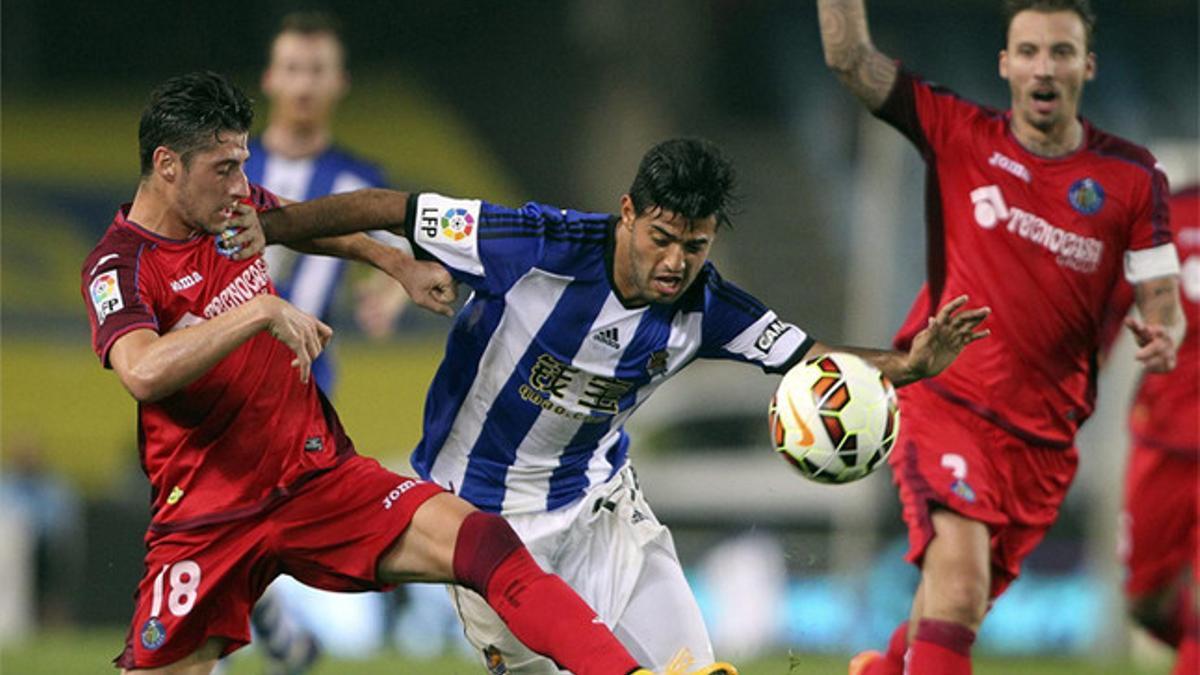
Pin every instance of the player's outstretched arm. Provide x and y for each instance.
(330, 226)
(1162, 324)
(153, 366)
(867, 73)
(933, 349)
(429, 284)
(344, 213)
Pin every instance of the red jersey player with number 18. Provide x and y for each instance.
(252, 474)
(1036, 213)
(1159, 540)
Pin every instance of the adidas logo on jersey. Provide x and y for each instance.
(608, 337)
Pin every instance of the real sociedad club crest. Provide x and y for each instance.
(1086, 196)
(154, 633)
(457, 224)
(657, 363)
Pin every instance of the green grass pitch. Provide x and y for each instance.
(70, 652)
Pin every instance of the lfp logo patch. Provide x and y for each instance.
(106, 295)
(457, 224)
(153, 634)
(1086, 196)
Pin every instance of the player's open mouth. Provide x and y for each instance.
(1044, 100)
(667, 285)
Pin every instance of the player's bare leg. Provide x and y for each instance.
(425, 552)
(199, 662)
(449, 540)
(956, 572)
(952, 599)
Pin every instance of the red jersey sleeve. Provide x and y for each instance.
(261, 198)
(1151, 224)
(929, 115)
(115, 292)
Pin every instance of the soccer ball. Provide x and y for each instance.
(834, 418)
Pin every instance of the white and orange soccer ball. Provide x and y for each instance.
(835, 418)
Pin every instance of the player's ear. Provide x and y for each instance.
(166, 163)
(628, 213)
(1004, 64)
(1089, 70)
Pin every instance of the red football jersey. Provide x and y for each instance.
(245, 434)
(1166, 408)
(1041, 241)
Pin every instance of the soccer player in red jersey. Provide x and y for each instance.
(1159, 543)
(252, 474)
(1036, 213)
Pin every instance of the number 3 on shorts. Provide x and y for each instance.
(185, 582)
(956, 464)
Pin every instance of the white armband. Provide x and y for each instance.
(1151, 263)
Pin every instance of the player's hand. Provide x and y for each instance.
(303, 333)
(250, 239)
(947, 334)
(429, 284)
(380, 300)
(1156, 350)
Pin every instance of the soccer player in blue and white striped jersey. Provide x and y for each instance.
(574, 320)
(296, 158)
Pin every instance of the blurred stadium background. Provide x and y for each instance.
(556, 101)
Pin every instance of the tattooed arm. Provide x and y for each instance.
(866, 72)
(1162, 324)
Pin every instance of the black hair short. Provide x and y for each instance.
(186, 114)
(687, 176)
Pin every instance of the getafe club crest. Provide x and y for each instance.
(153, 633)
(964, 491)
(457, 224)
(1086, 196)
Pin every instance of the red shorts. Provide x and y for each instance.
(948, 456)
(1158, 537)
(202, 583)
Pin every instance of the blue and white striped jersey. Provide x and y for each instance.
(309, 281)
(545, 364)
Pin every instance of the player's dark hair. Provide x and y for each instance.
(186, 114)
(687, 176)
(1083, 8)
(309, 23)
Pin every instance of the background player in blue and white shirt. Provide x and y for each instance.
(575, 319)
(296, 158)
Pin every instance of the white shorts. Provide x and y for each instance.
(611, 549)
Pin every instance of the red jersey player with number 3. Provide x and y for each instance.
(252, 474)
(1036, 213)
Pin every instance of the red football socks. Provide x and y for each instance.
(542, 611)
(940, 648)
(546, 615)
